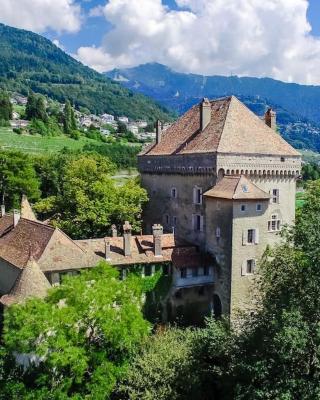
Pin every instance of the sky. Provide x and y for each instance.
(275, 38)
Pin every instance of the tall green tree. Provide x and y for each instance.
(5, 107)
(36, 108)
(17, 177)
(77, 342)
(69, 121)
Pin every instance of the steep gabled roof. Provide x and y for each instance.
(237, 188)
(28, 237)
(31, 282)
(233, 128)
(50, 247)
(26, 210)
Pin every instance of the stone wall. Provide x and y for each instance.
(219, 213)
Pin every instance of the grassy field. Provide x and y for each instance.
(38, 144)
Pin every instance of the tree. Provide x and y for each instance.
(36, 108)
(17, 177)
(81, 337)
(69, 121)
(180, 364)
(89, 201)
(5, 107)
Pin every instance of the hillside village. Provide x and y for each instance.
(107, 124)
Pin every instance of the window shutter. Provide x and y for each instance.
(200, 190)
(244, 268)
(201, 223)
(256, 236)
(244, 237)
(194, 195)
(254, 266)
(193, 222)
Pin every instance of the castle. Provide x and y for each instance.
(221, 184)
(223, 180)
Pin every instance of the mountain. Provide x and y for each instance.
(297, 106)
(29, 61)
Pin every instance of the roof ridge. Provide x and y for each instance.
(37, 223)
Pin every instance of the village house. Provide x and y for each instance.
(35, 256)
(224, 181)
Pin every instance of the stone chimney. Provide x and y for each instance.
(107, 249)
(157, 231)
(16, 217)
(270, 118)
(3, 210)
(205, 113)
(114, 232)
(127, 239)
(158, 131)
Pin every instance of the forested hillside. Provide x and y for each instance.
(29, 61)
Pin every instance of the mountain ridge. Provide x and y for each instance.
(31, 62)
(297, 106)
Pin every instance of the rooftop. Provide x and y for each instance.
(233, 128)
(237, 188)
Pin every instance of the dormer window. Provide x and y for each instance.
(243, 208)
(259, 207)
(245, 188)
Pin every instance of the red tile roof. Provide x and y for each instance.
(237, 188)
(233, 129)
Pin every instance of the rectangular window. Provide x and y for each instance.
(259, 207)
(174, 193)
(218, 205)
(194, 272)
(250, 236)
(275, 196)
(250, 266)
(183, 272)
(197, 222)
(243, 207)
(197, 195)
(174, 221)
(218, 232)
(167, 219)
(206, 270)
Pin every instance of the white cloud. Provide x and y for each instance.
(58, 44)
(41, 15)
(244, 37)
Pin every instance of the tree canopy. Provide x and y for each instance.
(76, 342)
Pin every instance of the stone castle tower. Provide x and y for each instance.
(224, 180)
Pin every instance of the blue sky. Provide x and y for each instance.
(95, 28)
(243, 37)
